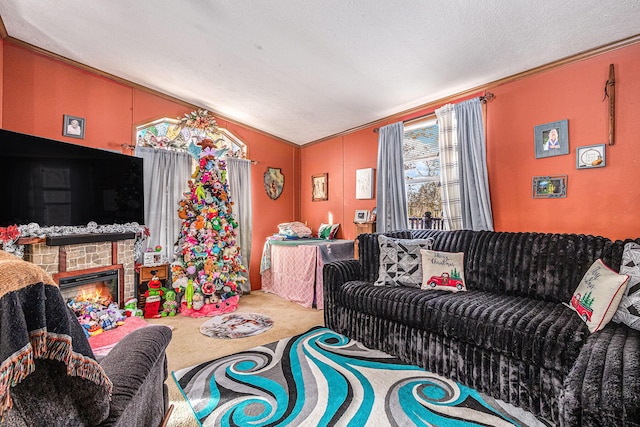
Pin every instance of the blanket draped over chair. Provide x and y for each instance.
(37, 327)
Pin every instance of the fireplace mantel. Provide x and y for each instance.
(76, 239)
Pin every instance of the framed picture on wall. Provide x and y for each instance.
(551, 139)
(364, 183)
(73, 127)
(319, 187)
(591, 156)
(546, 187)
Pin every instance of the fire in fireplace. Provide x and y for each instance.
(99, 287)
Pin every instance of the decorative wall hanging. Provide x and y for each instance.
(73, 127)
(591, 156)
(364, 183)
(319, 187)
(551, 139)
(545, 187)
(273, 182)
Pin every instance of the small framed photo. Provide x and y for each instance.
(546, 187)
(364, 183)
(551, 139)
(361, 217)
(374, 214)
(591, 156)
(319, 187)
(73, 127)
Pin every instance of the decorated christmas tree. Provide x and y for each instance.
(208, 266)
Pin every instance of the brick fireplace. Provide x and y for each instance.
(77, 261)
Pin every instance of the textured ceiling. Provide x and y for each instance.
(303, 70)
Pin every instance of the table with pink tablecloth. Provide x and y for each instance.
(295, 271)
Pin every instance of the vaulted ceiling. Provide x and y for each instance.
(306, 70)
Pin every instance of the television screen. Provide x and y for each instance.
(57, 183)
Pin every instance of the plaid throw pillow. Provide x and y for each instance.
(401, 261)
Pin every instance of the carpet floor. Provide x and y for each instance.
(189, 347)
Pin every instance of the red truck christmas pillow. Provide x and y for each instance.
(598, 295)
(443, 270)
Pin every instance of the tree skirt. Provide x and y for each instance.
(236, 325)
(216, 309)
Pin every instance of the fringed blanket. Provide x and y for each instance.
(35, 323)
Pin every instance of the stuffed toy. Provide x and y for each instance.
(198, 300)
(170, 306)
(131, 308)
(188, 293)
(153, 296)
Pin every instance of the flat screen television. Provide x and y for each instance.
(56, 183)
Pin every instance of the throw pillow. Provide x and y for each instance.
(328, 231)
(598, 295)
(400, 261)
(629, 309)
(443, 270)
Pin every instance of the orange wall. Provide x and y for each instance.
(37, 90)
(602, 201)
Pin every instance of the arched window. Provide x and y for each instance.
(173, 134)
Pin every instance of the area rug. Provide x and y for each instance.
(236, 325)
(321, 378)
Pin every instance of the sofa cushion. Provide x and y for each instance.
(597, 297)
(537, 332)
(536, 265)
(629, 309)
(400, 261)
(399, 303)
(443, 270)
(541, 333)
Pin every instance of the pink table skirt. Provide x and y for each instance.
(293, 274)
(296, 274)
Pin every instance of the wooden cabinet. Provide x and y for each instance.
(146, 274)
(365, 227)
(362, 228)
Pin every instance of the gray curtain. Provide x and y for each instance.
(391, 198)
(474, 185)
(239, 171)
(449, 167)
(166, 174)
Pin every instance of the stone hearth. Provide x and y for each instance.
(64, 260)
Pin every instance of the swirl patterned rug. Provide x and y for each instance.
(321, 378)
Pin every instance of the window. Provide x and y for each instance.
(422, 170)
(169, 134)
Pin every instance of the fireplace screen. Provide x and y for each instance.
(100, 287)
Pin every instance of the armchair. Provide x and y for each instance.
(48, 373)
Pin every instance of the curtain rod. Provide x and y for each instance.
(484, 99)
